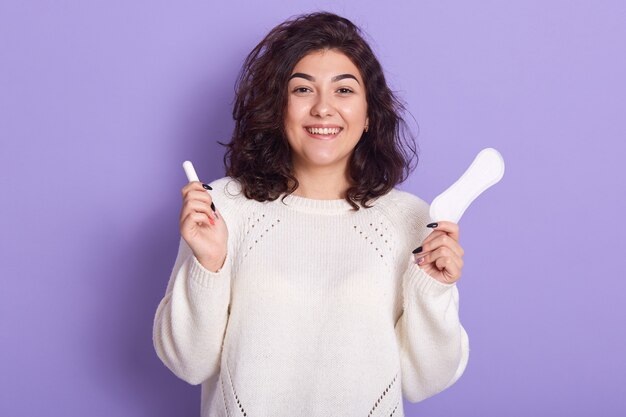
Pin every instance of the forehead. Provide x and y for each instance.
(326, 64)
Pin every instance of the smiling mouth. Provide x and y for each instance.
(323, 133)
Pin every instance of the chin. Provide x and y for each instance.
(325, 162)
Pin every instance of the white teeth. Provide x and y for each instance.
(323, 131)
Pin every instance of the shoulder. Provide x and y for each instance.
(226, 188)
(406, 206)
(230, 201)
(408, 199)
(408, 213)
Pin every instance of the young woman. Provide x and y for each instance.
(295, 292)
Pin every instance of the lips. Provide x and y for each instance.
(323, 132)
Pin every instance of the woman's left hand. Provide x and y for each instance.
(441, 255)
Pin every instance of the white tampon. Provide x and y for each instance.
(486, 170)
(192, 176)
(190, 171)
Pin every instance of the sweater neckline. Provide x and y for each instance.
(312, 205)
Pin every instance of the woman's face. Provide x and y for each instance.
(326, 110)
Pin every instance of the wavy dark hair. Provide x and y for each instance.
(259, 155)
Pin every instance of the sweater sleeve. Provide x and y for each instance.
(191, 319)
(434, 346)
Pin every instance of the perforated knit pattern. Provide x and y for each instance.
(232, 404)
(317, 311)
(379, 238)
(388, 401)
(263, 228)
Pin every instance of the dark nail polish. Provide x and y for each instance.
(417, 250)
(433, 225)
(213, 207)
(206, 186)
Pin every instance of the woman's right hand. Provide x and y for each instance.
(207, 241)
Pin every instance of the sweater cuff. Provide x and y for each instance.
(209, 279)
(424, 283)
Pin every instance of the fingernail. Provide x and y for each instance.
(420, 260)
(213, 207)
(433, 225)
(417, 250)
(206, 186)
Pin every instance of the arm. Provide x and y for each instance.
(434, 346)
(191, 319)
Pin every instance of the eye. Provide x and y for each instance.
(301, 89)
(345, 90)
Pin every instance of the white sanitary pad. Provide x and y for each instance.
(486, 170)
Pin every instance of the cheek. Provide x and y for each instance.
(355, 112)
(364, 110)
(294, 113)
(291, 123)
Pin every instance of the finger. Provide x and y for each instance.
(201, 194)
(218, 214)
(197, 218)
(443, 240)
(442, 252)
(450, 270)
(449, 227)
(201, 218)
(199, 207)
(194, 217)
(427, 239)
(197, 195)
(434, 234)
(194, 185)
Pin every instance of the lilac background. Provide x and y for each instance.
(101, 102)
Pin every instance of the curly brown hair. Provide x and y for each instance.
(259, 155)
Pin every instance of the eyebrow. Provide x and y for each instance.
(334, 79)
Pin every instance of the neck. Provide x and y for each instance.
(321, 183)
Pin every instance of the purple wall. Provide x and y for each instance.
(101, 102)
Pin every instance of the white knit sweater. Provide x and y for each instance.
(317, 311)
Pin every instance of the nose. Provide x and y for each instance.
(322, 106)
